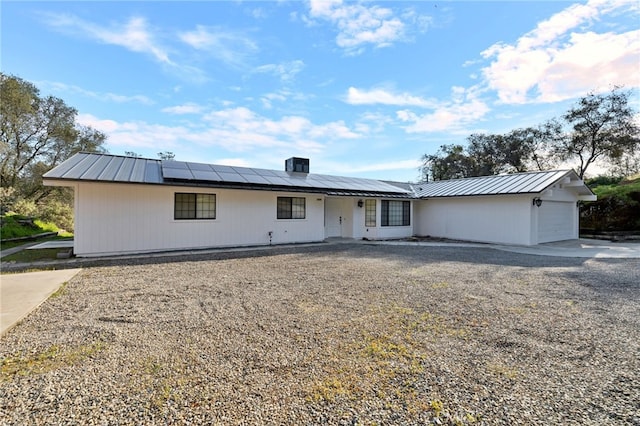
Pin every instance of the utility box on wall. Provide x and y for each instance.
(297, 164)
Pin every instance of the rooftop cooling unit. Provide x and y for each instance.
(297, 164)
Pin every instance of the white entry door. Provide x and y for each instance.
(335, 218)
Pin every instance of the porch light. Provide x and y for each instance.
(537, 202)
(360, 203)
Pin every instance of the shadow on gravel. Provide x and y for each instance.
(602, 275)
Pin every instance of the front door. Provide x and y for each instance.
(336, 217)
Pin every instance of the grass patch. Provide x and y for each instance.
(29, 256)
(389, 364)
(52, 358)
(18, 226)
(61, 291)
(62, 236)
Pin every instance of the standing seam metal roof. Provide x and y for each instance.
(519, 183)
(112, 168)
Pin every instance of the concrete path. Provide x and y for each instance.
(583, 248)
(22, 293)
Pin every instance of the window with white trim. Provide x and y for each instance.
(395, 213)
(194, 206)
(370, 213)
(291, 208)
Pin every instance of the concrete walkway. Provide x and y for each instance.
(581, 248)
(22, 293)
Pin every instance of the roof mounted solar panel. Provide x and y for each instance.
(171, 173)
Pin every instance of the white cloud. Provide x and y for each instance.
(188, 108)
(267, 100)
(357, 96)
(358, 24)
(464, 109)
(560, 60)
(234, 129)
(134, 35)
(138, 134)
(285, 71)
(243, 121)
(391, 165)
(232, 48)
(101, 96)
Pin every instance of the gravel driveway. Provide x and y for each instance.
(348, 334)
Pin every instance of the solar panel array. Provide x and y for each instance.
(520, 183)
(188, 171)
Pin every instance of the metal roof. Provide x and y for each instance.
(113, 168)
(517, 183)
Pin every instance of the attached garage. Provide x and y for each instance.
(521, 208)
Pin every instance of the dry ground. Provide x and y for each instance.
(352, 334)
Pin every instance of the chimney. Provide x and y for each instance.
(297, 164)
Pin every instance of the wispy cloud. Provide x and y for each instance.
(188, 108)
(285, 71)
(58, 87)
(559, 59)
(359, 24)
(137, 134)
(133, 34)
(234, 129)
(232, 48)
(357, 96)
(463, 109)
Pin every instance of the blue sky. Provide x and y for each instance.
(361, 88)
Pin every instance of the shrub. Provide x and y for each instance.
(57, 212)
(25, 208)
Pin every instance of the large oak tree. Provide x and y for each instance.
(36, 134)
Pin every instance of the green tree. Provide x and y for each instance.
(36, 134)
(166, 155)
(508, 153)
(450, 162)
(601, 126)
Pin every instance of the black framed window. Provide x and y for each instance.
(370, 213)
(395, 213)
(291, 208)
(194, 206)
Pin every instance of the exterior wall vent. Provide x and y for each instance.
(297, 164)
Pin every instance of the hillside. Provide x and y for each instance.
(617, 209)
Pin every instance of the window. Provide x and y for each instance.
(369, 212)
(194, 206)
(291, 207)
(396, 213)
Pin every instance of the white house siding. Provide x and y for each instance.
(129, 218)
(343, 218)
(379, 232)
(502, 219)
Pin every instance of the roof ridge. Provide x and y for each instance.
(494, 176)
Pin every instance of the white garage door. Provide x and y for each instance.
(556, 221)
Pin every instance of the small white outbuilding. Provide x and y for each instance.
(133, 205)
